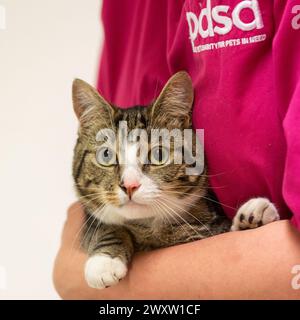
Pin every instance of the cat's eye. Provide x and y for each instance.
(159, 155)
(106, 156)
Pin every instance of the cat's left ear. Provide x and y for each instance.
(87, 102)
(173, 107)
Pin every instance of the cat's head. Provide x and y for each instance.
(120, 175)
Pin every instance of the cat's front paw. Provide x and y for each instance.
(254, 213)
(103, 271)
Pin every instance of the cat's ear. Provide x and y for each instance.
(172, 109)
(87, 102)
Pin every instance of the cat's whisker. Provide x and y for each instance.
(88, 188)
(178, 222)
(214, 175)
(92, 237)
(184, 210)
(194, 205)
(91, 199)
(201, 196)
(158, 210)
(100, 221)
(194, 186)
(220, 203)
(97, 211)
(80, 230)
(181, 192)
(80, 208)
(79, 233)
(162, 214)
(172, 217)
(158, 213)
(180, 217)
(89, 195)
(189, 213)
(91, 189)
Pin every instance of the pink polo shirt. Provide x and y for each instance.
(244, 60)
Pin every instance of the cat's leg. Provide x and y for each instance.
(254, 213)
(110, 252)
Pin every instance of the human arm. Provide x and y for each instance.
(252, 264)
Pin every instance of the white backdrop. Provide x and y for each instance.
(44, 46)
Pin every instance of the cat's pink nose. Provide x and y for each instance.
(130, 187)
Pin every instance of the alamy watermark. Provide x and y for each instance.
(158, 147)
(296, 279)
(296, 17)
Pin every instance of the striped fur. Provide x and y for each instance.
(97, 186)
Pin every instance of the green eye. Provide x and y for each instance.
(106, 157)
(159, 156)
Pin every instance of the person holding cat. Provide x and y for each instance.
(246, 100)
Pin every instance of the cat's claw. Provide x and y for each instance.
(254, 213)
(103, 271)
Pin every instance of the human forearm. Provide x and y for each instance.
(254, 264)
(248, 264)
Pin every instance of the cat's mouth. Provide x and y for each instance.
(133, 204)
(132, 209)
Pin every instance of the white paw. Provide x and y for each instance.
(254, 213)
(103, 271)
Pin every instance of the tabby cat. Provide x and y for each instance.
(137, 206)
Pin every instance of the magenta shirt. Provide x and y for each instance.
(244, 60)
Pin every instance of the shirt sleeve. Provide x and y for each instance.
(286, 54)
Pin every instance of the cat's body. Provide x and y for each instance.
(138, 206)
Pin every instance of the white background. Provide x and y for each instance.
(45, 45)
